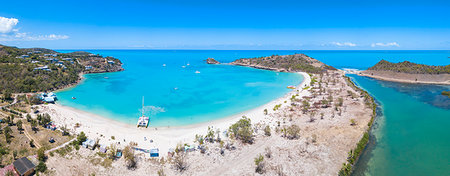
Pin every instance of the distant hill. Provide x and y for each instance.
(285, 63)
(410, 68)
(40, 69)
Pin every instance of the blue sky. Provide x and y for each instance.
(262, 24)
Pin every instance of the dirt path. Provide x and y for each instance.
(60, 146)
(31, 138)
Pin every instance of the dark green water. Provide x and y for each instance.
(411, 136)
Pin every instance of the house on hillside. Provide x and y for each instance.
(24, 167)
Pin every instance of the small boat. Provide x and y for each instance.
(291, 87)
(164, 65)
(106, 77)
(197, 72)
(176, 88)
(73, 98)
(188, 64)
(183, 66)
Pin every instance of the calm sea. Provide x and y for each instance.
(410, 136)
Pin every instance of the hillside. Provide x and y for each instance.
(285, 63)
(409, 67)
(409, 72)
(39, 69)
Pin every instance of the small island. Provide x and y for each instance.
(409, 72)
(212, 61)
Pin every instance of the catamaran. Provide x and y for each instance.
(143, 120)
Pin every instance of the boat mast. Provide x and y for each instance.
(142, 106)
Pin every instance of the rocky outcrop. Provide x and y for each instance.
(212, 61)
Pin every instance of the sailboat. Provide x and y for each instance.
(143, 120)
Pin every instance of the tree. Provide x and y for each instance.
(7, 131)
(41, 154)
(15, 154)
(19, 125)
(81, 138)
(28, 117)
(34, 125)
(305, 106)
(242, 130)
(259, 162)
(7, 94)
(32, 143)
(64, 130)
(41, 167)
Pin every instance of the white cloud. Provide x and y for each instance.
(385, 44)
(349, 44)
(7, 24)
(9, 33)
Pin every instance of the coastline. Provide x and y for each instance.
(103, 128)
(403, 77)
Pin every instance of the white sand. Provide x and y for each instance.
(96, 126)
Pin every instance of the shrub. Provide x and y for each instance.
(259, 162)
(293, 132)
(242, 130)
(41, 154)
(41, 167)
(81, 138)
(179, 162)
(267, 130)
(128, 154)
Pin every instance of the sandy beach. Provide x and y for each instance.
(163, 138)
(443, 79)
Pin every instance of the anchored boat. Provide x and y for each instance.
(143, 120)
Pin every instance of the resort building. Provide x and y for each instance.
(87, 67)
(43, 68)
(52, 60)
(89, 143)
(24, 167)
(48, 98)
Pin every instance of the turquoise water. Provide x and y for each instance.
(410, 137)
(175, 95)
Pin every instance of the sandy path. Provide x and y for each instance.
(31, 138)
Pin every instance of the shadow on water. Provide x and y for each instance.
(427, 93)
(363, 162)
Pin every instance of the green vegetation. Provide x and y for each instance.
(259, 162)
(290, 63)
(18, 74)
(354, 154)
(276, 107)
(291, 132)
(81, 138)
(267, 130)
(242, 130)
(409, 67)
